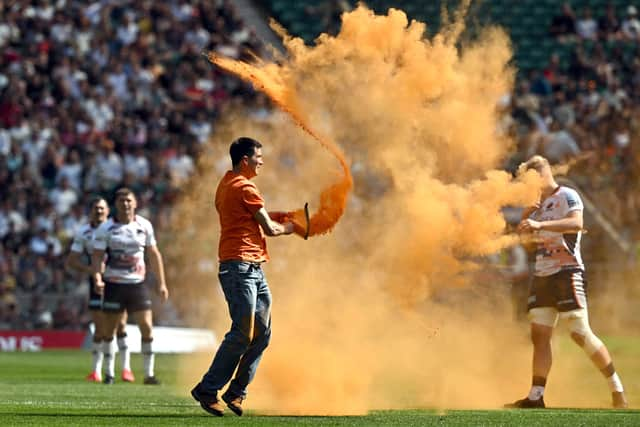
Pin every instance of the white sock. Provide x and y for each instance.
(125, 355)
(148, 359)
(109, 349)
(614, 383)
(536, 392)
(96, 357)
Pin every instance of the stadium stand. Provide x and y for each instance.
(95, 95)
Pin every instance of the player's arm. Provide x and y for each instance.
(529, 210)
(157, 267)
(97, 264)
(572, 223)
(271, 227)
(73, 262)
(96, 268)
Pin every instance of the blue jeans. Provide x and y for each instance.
(247, 293)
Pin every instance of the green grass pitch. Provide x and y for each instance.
(47, 389)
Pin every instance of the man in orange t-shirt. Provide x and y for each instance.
(244, 221)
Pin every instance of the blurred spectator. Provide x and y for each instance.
(631, 24)
(63, 197)
(38, 315)
(328, 12)
(180, 166)
(9, 312)
(66, 316)
(41, 243)
(563, 26)
(109, 165)
(559, 146)
(586, 26)
(608, 24)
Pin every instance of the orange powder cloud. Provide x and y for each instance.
(395, 308)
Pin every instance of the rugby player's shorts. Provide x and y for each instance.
(95, 299)
(564, 291)
(119, 297)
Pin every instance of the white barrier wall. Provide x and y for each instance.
(173, 340)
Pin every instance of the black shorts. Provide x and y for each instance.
(119, 297)
(95, 299)
(564, 291)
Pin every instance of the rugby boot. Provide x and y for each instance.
(233, 402)
(94, 377)
(210, 404)
(108, 379)
(526, 403)
(619, 400)
(127, 376)
(151, 381)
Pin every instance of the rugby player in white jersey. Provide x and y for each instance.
(126, 239)
(79, 259)
(558, 289)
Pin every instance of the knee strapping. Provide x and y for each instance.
(582, 334)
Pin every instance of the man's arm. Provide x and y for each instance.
(572, 223)
(271, 227)
(74, 263)
(157, 267)
(96, 269)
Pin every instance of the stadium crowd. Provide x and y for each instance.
(584, 107)
(93, 96)
(97, 95)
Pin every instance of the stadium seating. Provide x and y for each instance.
(526, 21)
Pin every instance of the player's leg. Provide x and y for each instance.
(597, 351)
(112, 308)
(97, 317)
(543, 321)
(95, 308)
(144, 320)
(138, 304)
(123, 349)
(573, 307)
(543, 318)
(248, 365)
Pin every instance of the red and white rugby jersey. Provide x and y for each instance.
(124, 245)
(557, 251)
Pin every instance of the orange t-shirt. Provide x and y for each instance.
(241, 237)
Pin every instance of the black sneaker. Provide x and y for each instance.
(151, 381)
(108, 379)
(619, 400)
(213, 407)
(526, 403)
(233, 402)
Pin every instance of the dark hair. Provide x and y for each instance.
(124, 191)
(95, 200)
(241, 147)
(537, 163)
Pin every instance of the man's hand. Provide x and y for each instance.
(289, 227)
(529, 226)
(163, 291)
(99, 286)
(280, 217)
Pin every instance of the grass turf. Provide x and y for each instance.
(47, 389)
